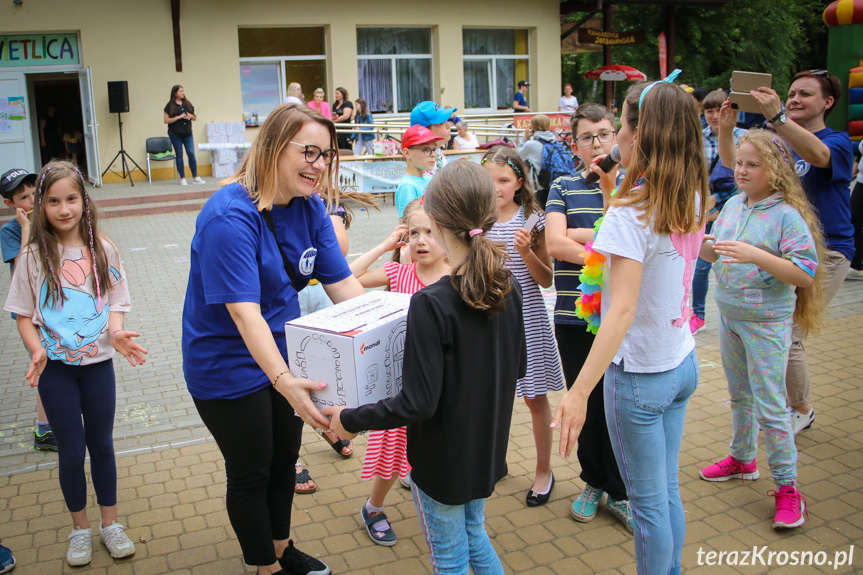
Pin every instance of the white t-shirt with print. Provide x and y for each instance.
(568, 105)
(659, 338)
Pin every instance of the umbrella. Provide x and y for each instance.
(616, 72)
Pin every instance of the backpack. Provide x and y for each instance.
(556, 162)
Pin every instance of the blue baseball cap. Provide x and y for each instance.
(429, 113)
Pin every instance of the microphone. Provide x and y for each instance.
(607, 164)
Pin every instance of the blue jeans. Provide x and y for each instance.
(184, 140)
(645, 414)
(456, 536)
(701, 282)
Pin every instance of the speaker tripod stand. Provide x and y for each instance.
(123, 155)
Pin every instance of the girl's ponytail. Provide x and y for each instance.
(461, 199)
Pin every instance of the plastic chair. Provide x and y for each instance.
(160, 146)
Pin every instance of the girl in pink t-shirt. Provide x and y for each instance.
(386, 454)
(70, 294)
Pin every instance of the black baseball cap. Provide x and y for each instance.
(10, 181)
(524, 83)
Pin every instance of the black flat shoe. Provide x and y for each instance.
(535, 499)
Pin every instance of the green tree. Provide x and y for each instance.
(780, 37)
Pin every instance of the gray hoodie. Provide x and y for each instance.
(745, 291)
(531, 152)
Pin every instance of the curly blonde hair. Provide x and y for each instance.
(778, 163)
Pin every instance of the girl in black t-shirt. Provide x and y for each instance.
(179, 114)
(464, 351)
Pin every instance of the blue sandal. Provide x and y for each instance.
(386, 538)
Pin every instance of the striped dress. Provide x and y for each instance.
(386, 452)
(544, 373)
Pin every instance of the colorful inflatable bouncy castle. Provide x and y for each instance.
(855, 103)
(844, 18)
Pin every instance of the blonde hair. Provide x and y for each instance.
(461, 198)
(778, 163)
(320, 91)
(294, 89)
(46, 244)
(669, 159)
(540, 123)
(259, 171)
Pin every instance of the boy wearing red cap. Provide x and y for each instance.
(419, 148)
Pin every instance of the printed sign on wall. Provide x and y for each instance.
(38, 50)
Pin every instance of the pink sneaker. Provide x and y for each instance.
(696, 324)
(790, 508)
(730, 468)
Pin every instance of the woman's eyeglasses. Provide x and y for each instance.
(312, 153)
(603, 137)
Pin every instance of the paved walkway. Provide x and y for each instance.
(171, 475)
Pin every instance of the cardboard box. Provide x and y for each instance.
(355, 347)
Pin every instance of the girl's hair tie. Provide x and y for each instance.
(668, 79)
(781, 151)
(515, 169)
(475, 232)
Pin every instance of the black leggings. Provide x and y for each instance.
(598, 466)
(80, 402)
(260, 438)
(857, 222)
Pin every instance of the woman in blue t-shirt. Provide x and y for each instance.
(823, 160)
(258, 241)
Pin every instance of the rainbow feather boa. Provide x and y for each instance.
(588, 306)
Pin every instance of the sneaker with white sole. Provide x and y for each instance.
(198, 180)
(115, 539)
(622, 511)
(406, 482)
(696, 324)
(801, 421)
(854, 274)
(7, 560)
(183, 182)
(80, 550)
(584, 508)
(790, 507)
(730, 468)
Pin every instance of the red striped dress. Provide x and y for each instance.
(386, 452)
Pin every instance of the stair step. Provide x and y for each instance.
(119, 206)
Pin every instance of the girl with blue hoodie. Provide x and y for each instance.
(767, 244)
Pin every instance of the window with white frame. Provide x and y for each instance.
(273, 58)
(395, 68)
(495, 61)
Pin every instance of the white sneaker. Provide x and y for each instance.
(800, 421)
(198, 181)
(406, 482)
(80, 550)
(116, 541)
(183, 182)
(854, 274)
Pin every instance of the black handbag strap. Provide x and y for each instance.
(713, 164)
(295, 281)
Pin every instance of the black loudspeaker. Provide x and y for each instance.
(118, 97)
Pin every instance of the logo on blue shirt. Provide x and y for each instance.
(801, 167)
(307, 261)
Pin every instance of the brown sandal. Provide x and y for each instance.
(304, 477)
